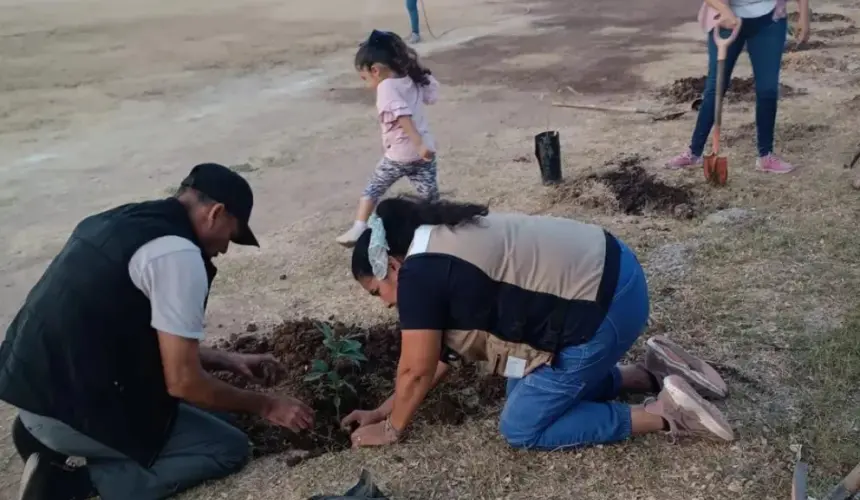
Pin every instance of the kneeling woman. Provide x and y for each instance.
(552, 304)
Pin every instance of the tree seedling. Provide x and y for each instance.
(340, 348)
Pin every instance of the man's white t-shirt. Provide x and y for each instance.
(170, 271)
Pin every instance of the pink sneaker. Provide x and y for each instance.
(684, 160)
(773, 164)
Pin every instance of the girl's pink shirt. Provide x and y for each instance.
(396, 97)
(708, 15)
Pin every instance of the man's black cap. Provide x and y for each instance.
(229, 188)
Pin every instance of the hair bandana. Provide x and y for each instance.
(377, 249)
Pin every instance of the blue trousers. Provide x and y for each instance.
(569, 404)
(765, 41)
(412, 9)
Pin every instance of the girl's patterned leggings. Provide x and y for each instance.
(421, 174)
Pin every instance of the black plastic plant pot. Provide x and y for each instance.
(548, 153)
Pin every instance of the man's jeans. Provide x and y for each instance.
(201, 447)
(569, 403)
(765, 42)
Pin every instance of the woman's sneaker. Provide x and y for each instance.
(664, 358)
(684, 160)
(773, 164)
(414, 38)
(687, 413)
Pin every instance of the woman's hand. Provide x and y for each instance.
(378, 434)
(801, 33)
(727, 19)
(363, 418)
(426, 154)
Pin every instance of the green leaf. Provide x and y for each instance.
(314, 376)
(319, 365)
(352, 345)
(359, 356)
(334, 377)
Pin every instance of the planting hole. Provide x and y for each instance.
(363, 381)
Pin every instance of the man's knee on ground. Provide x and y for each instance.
(234, 451)
(518, 434)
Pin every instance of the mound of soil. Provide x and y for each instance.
(794, 46)
(297, 344)
(838, 32)
(690, 88)
(632, 188)
(821, 17)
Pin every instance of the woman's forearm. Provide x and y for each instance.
(410, 390)
(388, 405)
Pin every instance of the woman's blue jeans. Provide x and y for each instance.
(569, 404)
(765, 42)
(412, 9)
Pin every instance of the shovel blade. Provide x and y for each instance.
(716, 169)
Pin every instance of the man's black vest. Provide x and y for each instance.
(81, 349)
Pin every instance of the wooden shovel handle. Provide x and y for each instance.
(723, 43)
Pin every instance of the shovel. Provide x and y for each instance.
(717, 167)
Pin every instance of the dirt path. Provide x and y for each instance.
(101, 104)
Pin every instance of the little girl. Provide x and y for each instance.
(403, 86)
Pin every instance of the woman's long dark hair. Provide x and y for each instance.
(401, 216)
(384, 47)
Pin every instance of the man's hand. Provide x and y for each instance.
(262, 369)
(288, 412)
(362, 418)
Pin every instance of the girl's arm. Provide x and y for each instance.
(408, 126)
(419, 359)
(430, 92)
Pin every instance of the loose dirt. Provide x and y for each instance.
(688, 89)
(628, 188)
(794, 46)
(297, 344)
(821, 17)
(838, 32)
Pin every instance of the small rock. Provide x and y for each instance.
(282, 277)
(728, 216)
(856, 183)
(251, 328)
(735, 487)
(683, 211)
(293, 457)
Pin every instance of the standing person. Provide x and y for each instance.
(104, 359)
(552, 304)
(763, 32)
(414, 22)
(403, 86)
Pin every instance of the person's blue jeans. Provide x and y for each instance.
(569, 404)
(412, 9)
(765, 42)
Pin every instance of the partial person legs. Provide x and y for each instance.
(412, 9)
(765, 48)
(571, 403)
(706, 116)
(201, 447)
(422, 176)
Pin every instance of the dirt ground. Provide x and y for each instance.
(104, 102)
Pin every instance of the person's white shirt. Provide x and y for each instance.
(170, 271)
